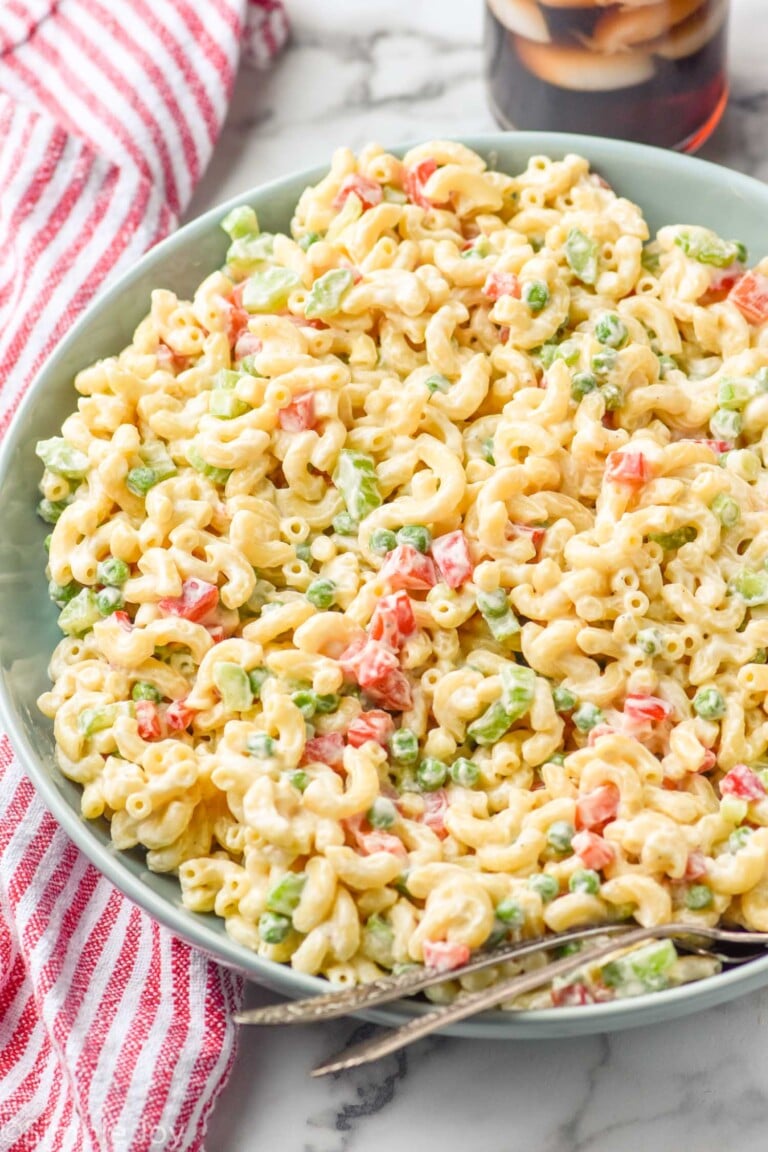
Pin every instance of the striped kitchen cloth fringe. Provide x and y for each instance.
(114, 1035)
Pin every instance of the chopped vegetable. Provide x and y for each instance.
(593, 850)
(629, 468)
(321, 593)
(585, 881)
(743, 783)
(581, 255)
(697, 897)
(407, 568)
(500, 284)
(726, 509)
(641, 707)
(643, 969)
(671, 541)
(268, 288)
(544, 885)
(273, 929)
(113, 571)
(299, 415)
(368, 191)
(451, 555)
(283, 898)
(234, 687)
(327, 293)
(355, 477)
(382, 813)
(431, 774)
(587, 716)
(415, 179)
(372, 725)
(491, 726)
(404, 746)
(563, 699)
(381, 541)
(80, 614)
(198, 599)
(444, 956)
(596, 808)
(497, 612)
(707, 248)
(464, 772)
(582, 383)
(709, 704)
(62, 458)
(393, 620)
(260, 745)
(611, 330)
(751, 586)
(417, 536)
(327, 749)
(536, 295)
(560, 834)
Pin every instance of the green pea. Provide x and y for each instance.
(382, 541)
(588, 716)
(143, 690)
(260, 745)
(431, 774)
(306, 702)
(404, 746)
(536, 295)
(321, 593)
(112, 571)
(709, 704)
(510, 913)
(697, 897)
(298, 778)
(603, 363)
(671, 541)
(273, 928)
(586, 880)
(437, 383)
(326, 703)
(556, 758)
(611, 330)
(51, 510)
(582, 384)
(61, 594)
(650, 641)
(563, 699)
(109, 600)
(544, 885)
(382, 813)
(559, 835)
(304, 553)
(465, 772)
(417, 536)
(613, 397)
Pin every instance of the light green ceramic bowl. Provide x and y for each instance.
(670, 188)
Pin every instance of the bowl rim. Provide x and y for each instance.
(197, 930)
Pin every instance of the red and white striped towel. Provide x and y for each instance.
(114, 1035)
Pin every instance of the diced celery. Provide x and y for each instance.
(268, 289)
(217, 475)
(284, 896)
(355, 477)
(327, 293)
(80, 614)
(706, 247)
(62, 458)
(648, 966)
(581, 255)
(233, 684)
(491, 726)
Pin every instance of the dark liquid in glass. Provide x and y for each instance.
(588, 68)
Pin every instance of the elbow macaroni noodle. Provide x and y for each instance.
(413, 574)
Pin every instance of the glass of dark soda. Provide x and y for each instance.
(647, 70)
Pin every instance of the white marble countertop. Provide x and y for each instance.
(390, 70)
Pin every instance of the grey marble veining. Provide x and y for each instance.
(362, 70)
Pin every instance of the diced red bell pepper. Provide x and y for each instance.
(197, 599)
(299, 415)
(123, 619)
(435, 808)
(572, 995)
(369, 840)
(651, 708)
(594, 809)
(304, 321)
(379, 674)
(716, 446)
(237, 321)
(327, 748)
(178, 716)
(373, 725)
(742, 782)
(598, 731)
(535, 533)
(217, 632)
(247, 345)
(593, 850)
(393, 620)
(444, 956)
(368, 191)
(350, 657)
(415, 179)
(722, 282)
(451, 555)
(148, 718)
(709, 761)
(696, 866)
(750, 296)
(406, 567)
(498, 284)
(630, 468)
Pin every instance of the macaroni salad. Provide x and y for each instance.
(414, 575)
